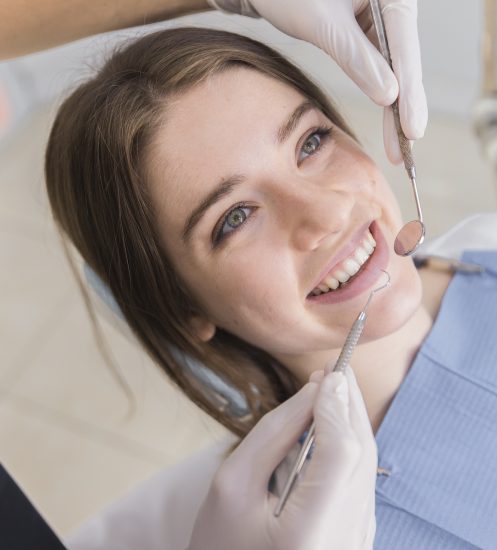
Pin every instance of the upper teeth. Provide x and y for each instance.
(349, 267)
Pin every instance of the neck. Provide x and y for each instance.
(380, 366)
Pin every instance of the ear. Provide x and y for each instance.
(203, 329)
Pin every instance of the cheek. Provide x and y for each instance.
(383, 194)
(375, 187)
(394, 306)
(245, 291)
(391, 204)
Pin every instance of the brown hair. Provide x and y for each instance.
(94, 175)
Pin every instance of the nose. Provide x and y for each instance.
(312, 214)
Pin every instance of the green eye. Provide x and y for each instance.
(311, 144)
(314, 142)
(234, 219)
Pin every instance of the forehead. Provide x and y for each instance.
(215, 128)
(223, 101)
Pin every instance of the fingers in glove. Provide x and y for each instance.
(317, 376)
(336, 454)
(358, 413)
(370, 535)
(362, 62)
(266, 445)
(361, 423)
(400, 17)
(335, 434)
(390, 137)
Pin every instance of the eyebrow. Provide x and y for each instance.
(227, 185)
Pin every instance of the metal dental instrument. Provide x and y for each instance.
(443, 263)
(340, 365)
(412, 234)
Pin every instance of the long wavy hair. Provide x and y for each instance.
(95, 178)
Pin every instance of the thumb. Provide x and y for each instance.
(337, 444)
(271, 439)
(331, 409)
(336, 449)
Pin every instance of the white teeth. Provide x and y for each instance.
(331, 282)
(368, 247)
(342, 276)
(361, 255)
(351, 266)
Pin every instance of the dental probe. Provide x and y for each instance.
(412, 234)
(340, 365)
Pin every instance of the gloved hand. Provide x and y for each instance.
(332, 506)
(344, 29)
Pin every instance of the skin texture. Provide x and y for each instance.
(301, 211)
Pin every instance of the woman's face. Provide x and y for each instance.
(294, 207)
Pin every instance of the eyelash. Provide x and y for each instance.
(324, 133)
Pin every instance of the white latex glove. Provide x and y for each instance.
(332, 507)
(344, 29)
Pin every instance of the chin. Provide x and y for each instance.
(394, 307)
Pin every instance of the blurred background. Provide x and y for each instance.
(64, 434)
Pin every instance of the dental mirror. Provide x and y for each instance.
(413, 232)
(409, 238)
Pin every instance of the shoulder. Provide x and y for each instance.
(435, 283)
(477, 232)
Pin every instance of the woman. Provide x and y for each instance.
(234, 217)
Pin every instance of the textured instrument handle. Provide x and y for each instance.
(349, 346)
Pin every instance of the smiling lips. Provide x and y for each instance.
(349, 267)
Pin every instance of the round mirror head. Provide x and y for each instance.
(409, 238)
